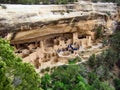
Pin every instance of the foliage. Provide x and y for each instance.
(115, 42)
(105, 42)
(50, 1)
(20, 1)
(107, 58)
(103, 64)
(92, 61)
(5, 82)
(3, 6)
(99, 32)
(114, 1)
(73, 77)
(117, 84)
(46, 80)
(27, 1)
(75, 60)
(65, 78)
(81, 77)
(14, 74)
(47, 69)
(102, 85)
(37, 1)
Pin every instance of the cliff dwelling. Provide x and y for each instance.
(50, 35)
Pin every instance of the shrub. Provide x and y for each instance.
(92, 61)
(15, 75)
(115, 42)
(99, 32)
(42, 70)
(117, 84)
(3, 6)
(47, 69)
(73, 61)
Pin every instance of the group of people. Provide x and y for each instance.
(71, 48)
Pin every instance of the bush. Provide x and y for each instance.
(92, 61)
(98, 85)
(73, 61)
(15, 75)
(117, 84)
(3, 6)
(107, 58)
(99, 32)
(115, 42)
(47, 69)
(73, 77)
(42, 70)
(46, 81)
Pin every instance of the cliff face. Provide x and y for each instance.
(46, 19)
(25, 17)
(43, 34)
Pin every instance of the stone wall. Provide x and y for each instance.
(42, 53)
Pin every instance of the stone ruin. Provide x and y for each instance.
(43, 33)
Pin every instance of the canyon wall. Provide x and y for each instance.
(42, 34)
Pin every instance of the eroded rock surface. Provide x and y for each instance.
(46, 35)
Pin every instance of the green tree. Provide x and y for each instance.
(14, 74)
(46, 81)
(5, 82)
(117, 84)
(98, 85)
(92, 61)
(99, 32)
(115, 42)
